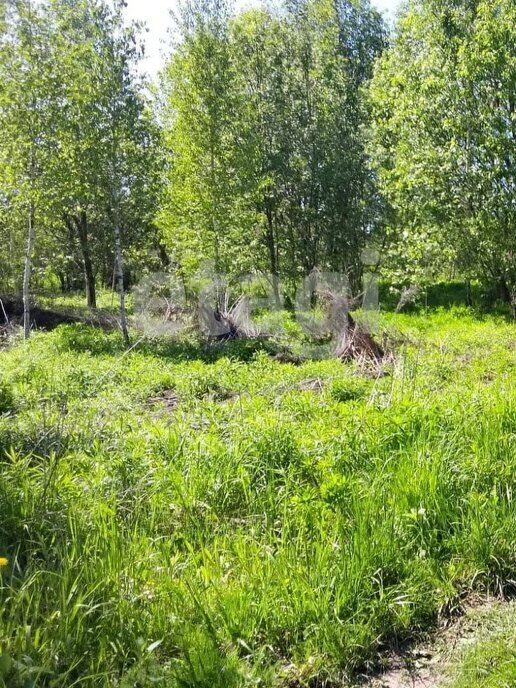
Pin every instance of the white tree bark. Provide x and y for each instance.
(119, 261)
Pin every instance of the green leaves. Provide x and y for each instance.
(443, 138)
(26, 134)
(263, 126)
(73, 109)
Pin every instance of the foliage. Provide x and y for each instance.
(263, 125)
(107, 138)
(280, 140)
(26, 129)
(443, 139)
(82, 117)
(6, 398)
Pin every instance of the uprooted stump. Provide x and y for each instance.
(229, 322)
(355, 343)
(228, 327)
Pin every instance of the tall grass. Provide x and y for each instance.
(259, 534)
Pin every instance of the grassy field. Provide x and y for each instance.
(198, 517)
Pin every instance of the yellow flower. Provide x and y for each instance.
(3, 562)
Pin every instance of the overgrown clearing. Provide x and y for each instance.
(186, 516)
(227, 459)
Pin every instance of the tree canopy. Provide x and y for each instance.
(264, 120)
(443, 138)
(279, 140)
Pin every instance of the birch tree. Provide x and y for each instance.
(26, 88)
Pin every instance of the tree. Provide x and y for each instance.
(443, 138)
(125, 139)
(80, 146)
(260, 53)
(107, 138)
(202, 215)
(80, 35)
(264, 127)
(25, 125)
(329, 191)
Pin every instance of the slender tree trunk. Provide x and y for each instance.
(27, 272)
(273, 258)
(31, 218)
(163, 255)
(503, 290)
(89, 275)
(78, 226)
(62, 281)
(119, 261)
(469, 296)
(214, 208)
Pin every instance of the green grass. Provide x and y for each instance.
(258, 534)
(490, 660)
(107, 300)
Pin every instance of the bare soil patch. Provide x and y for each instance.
(427, 665)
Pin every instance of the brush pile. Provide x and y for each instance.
(354, 343)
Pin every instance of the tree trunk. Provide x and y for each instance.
(119, 261)
(163, 255)
(469, 296)
(78, 225)
(26, 273)
(214, 208)
(273, 257)
(62, 281)
(89, 276)
(504, 291)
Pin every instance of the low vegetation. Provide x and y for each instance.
(488, 660)
(186, 515)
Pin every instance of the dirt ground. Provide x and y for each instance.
(430, 665)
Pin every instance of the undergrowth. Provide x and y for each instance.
(262, 532)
